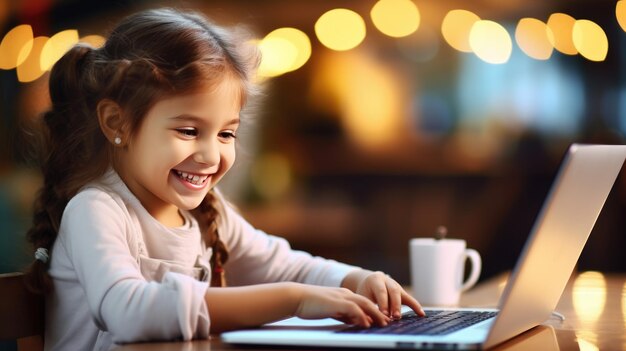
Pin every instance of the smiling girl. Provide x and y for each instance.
(132, 238)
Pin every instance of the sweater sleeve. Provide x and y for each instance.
(95, 235)
(256, 257)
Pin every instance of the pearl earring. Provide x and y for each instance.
(117, 140)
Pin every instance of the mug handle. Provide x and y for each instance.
(476, 267)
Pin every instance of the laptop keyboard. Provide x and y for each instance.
(436, 322)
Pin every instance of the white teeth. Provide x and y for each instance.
(192, 178)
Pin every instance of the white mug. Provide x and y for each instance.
(437, 270)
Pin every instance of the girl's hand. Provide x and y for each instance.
(340, 304)
(382, 290)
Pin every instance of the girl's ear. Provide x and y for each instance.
(111, 119)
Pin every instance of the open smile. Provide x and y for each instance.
(191, 178)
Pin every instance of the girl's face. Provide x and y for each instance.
(184, 146)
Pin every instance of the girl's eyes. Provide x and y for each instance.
(228, 134)
(188, 132)
(193, 132)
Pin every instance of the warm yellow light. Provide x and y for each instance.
(340, 29)
(534, 38)
(589, 296)
(620, 13)
(590, 40)
(30, 69)
(456, 28)
(56, 47)
(585, 345)
(369, 113)
(561, 26)
(366, 95)
(490, 42)
(395, 18)
(271, 175)
(96, 41)
(300, 40)
(16, 46)
(283, 50)
(277, 55)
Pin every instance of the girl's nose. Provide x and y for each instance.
(208, 153)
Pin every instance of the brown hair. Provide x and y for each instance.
(149, 55)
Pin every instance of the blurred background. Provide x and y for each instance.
(379, 120)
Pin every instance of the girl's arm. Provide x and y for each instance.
(256, 257)
(239, 307)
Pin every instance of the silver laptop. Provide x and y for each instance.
(569, 213)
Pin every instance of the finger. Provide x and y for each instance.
(371, 310)
(361, 316)
(351, 313)
(381, 298)
(412, 303)
(395, 298)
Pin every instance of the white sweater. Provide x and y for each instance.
(121, 276)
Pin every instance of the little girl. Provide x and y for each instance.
(132, 238)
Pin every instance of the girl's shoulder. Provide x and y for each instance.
(100, 194)
(108, 190)
(95, 198)
(97, 206)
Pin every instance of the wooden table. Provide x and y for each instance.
(594, 306)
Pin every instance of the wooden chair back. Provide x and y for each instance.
(21, 313)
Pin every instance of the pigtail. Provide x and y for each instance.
(68, 139)
(207, 216)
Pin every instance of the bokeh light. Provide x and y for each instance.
(371, 118)
(283, 50)
(562, 26)
(16, 46)
(456, 28)
(490, 42)
(396, 18)
(97, 41)
(277, 54)
(620, 13)
(30, 69)
(56, 47)
(590, 40)
(535, 38)
(340, 29)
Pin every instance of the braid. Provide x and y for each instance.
(207, 216)
(69, 138)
